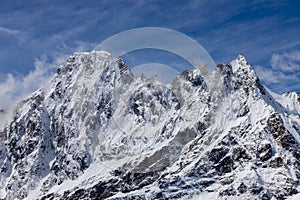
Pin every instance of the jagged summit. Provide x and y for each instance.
(98, 132)
(293, 95)
(241, 57)
(240, 63)
(95, 52)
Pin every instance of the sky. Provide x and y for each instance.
(36, 36)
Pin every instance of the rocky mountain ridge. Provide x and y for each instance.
(98, 132)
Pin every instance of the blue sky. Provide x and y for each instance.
(36, 36)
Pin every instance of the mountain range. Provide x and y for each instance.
(96, 131)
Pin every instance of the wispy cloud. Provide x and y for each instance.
(13, 33)
(9, 31)
(225, 28)
(284, 74)
(273, 76)
(164, 73)
(18, 87)
(286, 62)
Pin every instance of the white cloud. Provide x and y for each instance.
(9, 31)
(16, 87)
(286, 62)
(267, 75)
(284, 71)
(163, 72)
(294, 55)
(21, 36)
(271, 76)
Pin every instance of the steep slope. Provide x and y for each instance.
(250, 150)
(99, 132)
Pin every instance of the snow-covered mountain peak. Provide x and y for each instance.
(241, 64)
(295, 96)
(98, 132)
(86, 62)
(242, 59)
(103, 54)
(238, 78)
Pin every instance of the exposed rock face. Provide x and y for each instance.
(98, 132)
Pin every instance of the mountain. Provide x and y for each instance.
(98, 132)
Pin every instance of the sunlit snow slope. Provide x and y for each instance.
(98, 132)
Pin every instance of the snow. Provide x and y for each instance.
(95, 117)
